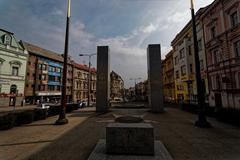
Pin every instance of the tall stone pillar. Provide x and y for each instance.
(103, 79)
(155, 78)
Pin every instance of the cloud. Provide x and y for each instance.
(149, 29)
(58, 12)
(126, 26)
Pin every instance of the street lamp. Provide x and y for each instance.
(202, 120)
(89, 73)
(62, 115)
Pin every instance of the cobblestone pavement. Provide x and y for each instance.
(76, 140)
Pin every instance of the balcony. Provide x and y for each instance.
(56, 74)
(54, 83)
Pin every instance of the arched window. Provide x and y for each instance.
(218, 82)
(13, 89)
(7, 39)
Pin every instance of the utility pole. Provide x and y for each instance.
(62, 113)
(202, 120)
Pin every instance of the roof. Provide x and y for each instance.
(83, 66)
(115, 74)
(42, 52)
(6, 31)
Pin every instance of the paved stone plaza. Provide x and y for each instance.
(76, 140)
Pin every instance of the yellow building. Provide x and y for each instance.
(168, 78)
(184, 62)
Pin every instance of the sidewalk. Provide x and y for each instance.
(20, 142)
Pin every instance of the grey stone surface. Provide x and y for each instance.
(103, 79)
(98, 153)
(130, 138)
(155, 78)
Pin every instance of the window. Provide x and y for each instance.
(176, 60)
(44, 67)
(218, 82)
(201, 64)
(177, 74)
(58, 79)
(216, 57)
(183, 70)
(39, 66)
(13, 89)
(237, 48)
(234, 19)
(191, 68)
(213, 32)
(15, 71)
(51, 87)
(189, 50)
(199, 45)
(51, 69)
(44, 77)
(7, 39)
(0, 88)
(41, 87)
(239, 80)
(58, 88)
(182, 55)
(51, 78)
(27, 85)
(58, 70)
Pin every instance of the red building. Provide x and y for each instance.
(222, 41)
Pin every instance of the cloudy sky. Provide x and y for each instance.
(127, 26)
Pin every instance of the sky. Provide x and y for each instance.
(126, 26)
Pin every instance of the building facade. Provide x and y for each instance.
(116, 86)
(221, 23)
(168, 78)
(13, 59)
(184, 62)
(44, 76)
(142, 91)
(80, 83)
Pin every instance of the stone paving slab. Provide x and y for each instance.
(98, 153)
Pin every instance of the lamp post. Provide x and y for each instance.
(89, 73)
(62, 115)
(202, 120)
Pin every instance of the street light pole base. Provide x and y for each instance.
(61, 121)
(203, 124)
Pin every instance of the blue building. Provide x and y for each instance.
(44, 75)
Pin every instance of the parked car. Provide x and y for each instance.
(43, 106)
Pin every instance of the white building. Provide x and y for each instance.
(13, 59)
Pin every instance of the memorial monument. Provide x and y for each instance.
(155, 78)
(103, 79)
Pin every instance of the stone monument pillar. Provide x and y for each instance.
(103, 79)
(155, 78)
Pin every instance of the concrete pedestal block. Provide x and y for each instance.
(130, 138)
(103, 79)
(155, 78)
